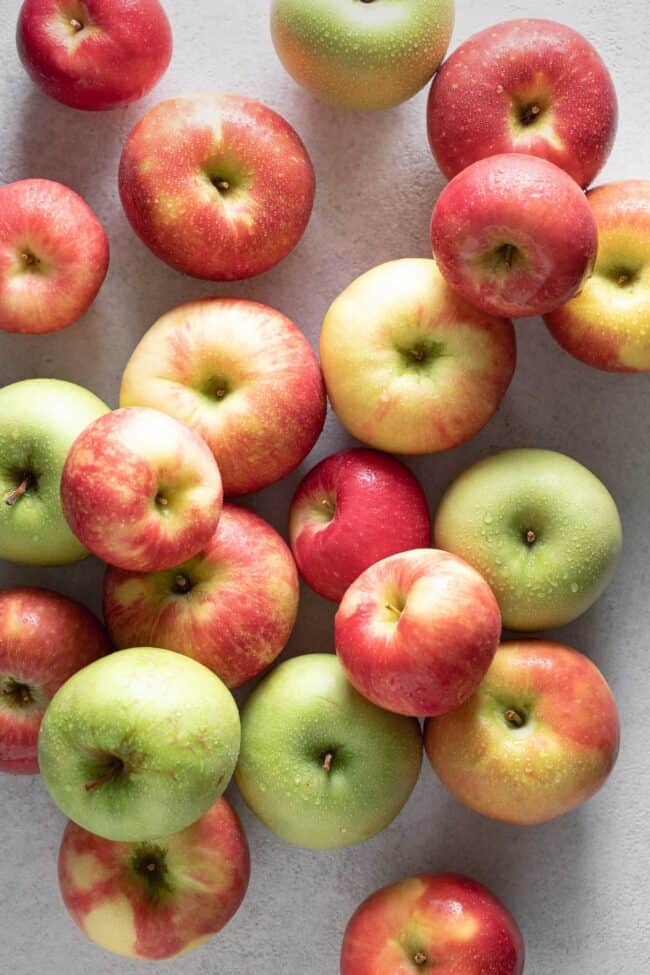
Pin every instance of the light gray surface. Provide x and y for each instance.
(578, 886)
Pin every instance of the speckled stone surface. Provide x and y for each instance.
(579, 885)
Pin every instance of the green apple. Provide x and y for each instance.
(320, 765)
(39, 420)
(541, 528)
(362, 54)
(139, 744)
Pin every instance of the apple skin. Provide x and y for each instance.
(232, 607)
(156, 900)
(528, 85)
(409, 366)
(514, 235)
(141, 490)
(139, 744)
(39, 420)
(351, 510)
(551, 577)
(217, 186)
(606, 325)
(538, 738)
(95, 54)
(362, 55)
(416, 632)
(241, 375)
(53, 256)
(44, 639)
(432, 923)
(320, 766)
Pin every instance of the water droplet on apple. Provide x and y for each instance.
(487, 518)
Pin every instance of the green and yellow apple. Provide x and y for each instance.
(139, 744)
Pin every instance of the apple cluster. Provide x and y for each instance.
(132, 724)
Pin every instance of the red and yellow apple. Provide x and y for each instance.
(417, 631)
(432, 923)
(608, 324)
(514, 235)
(141, 490)
(217, 186)
(44, 639)
(538, 738)
(232, 607)
(242, 376)
(528, 85)
(154, 900)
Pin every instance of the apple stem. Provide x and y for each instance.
(76, 24)
(514, 718)
(419, 958)
(18, 491)
(393, 609)
(327, 762)
(222, 184)
(623, 279)
(508, 255)
(531, 537)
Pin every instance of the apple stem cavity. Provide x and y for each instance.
(112, 772)
(19, 490)
(182, 584)
(529, 114)
(15, 692)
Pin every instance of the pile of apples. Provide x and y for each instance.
(225, 396)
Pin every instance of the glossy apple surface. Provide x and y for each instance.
(94, 54)
(606, 325)
(432, 923)
(351, 510)
(243, 376)
(217, 186)
(232, 607)
(319, 765)
(365, 55)
(44, 639)
(53, 256)
(409, 366)
(139, 744)
(39, 421)
(417, 631)
(141, 490)
(526, 85)
(538, 738)
(540, 527)
(156, 900)
(514, 235)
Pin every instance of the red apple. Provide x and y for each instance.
(417, 631)
(527, 85)
(141, 490)
(218, 186)
(351, 510)
(232, 607)
(154, 900)
(606, 325)
(94, 54)
(44, 639)
(240, 374)
(514, 234)
(53, 256)
(432, 923)
(538, 738)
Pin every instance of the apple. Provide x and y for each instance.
(351, 510)
(218, 186)
(606, 325)
(44, 639)
(53, 256)
(39, 420)
(156, 900)
(232, 607)
(540, 527)
(416, 632)
(528, 85)
(409, 366)
(139, 744)
(514, 235)
(366, 55)
(141, 490)
(94, 54)
(538, 738)
(319, 765)
(240, 374)
(430, 923)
